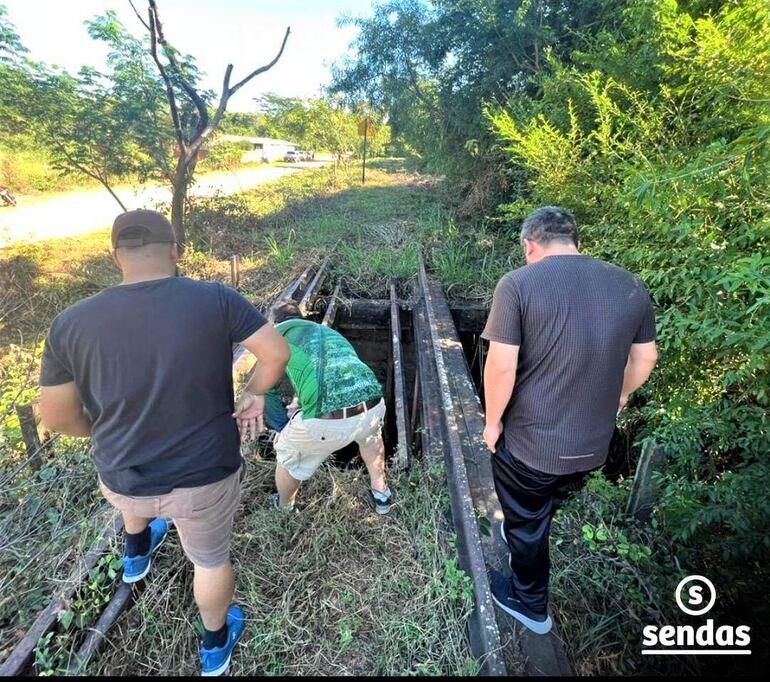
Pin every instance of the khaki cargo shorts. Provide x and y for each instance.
(304, 444)
(203, 516)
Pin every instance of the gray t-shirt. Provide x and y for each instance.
(574, 318)
(152, 363)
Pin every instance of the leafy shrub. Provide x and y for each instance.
(223, 155)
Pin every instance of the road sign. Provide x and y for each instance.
(366, 127)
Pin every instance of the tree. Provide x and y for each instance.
(11, 48)
(14, 77)
(192, 132)
(433, 65)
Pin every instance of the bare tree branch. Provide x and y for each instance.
(200, 105)
(261, 69)
(169, 86)
(90, 173)
(189, 145)
(138, 15)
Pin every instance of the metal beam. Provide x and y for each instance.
(431, 424)
(485, 635)
(235, 271)
(402, 449)
(541, 654)
(306, 303)
(20, 657)
(291, 292)
(644, 491)
(331, 309)
(121, 600)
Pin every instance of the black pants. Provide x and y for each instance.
(529, 499)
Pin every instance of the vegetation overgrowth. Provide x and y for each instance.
(650, 119)
(114, 124)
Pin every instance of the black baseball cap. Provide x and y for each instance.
(140, 227)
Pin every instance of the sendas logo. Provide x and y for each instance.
(696, 596)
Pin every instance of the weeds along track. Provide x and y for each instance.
(334, 589)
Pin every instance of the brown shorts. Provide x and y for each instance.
(203, 516)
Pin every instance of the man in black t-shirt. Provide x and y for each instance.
(571, 337)
(145, 369)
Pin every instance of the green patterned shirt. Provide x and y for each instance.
(324, 370)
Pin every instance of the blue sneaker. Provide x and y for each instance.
(137, 567)
(216, 661)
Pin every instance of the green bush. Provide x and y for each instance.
(223, 156)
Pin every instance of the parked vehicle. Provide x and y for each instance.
(7, 197)
(291, 156)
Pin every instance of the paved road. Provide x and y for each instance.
(71, 213)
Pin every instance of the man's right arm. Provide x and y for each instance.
(499, 380)
(272, 353)
(643, 353)
(641, 361)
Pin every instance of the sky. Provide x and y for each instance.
(246, 33)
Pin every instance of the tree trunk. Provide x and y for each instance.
(184, 168)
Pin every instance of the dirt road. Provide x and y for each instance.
(71, 213)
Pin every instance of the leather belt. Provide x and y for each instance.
(346, 412)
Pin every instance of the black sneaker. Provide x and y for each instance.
(503, 596)
(505, 542)
(381, 503)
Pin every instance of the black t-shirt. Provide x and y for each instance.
(152, 363)
(574, 319)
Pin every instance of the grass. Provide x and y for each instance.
(611, 576)
(48, 520)
(332, 590)
(376, 231)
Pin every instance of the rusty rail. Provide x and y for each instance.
(307, 300)
(484, 632)
(331, 309)
(399, 391)
(538, 655)
(20, 657)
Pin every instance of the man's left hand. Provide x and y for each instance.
(492, 433)
(249, 413)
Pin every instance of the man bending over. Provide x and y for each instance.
(340, 402)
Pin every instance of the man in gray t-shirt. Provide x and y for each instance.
(571, 337)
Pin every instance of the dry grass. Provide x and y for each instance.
(48, 522)
(332, 590)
